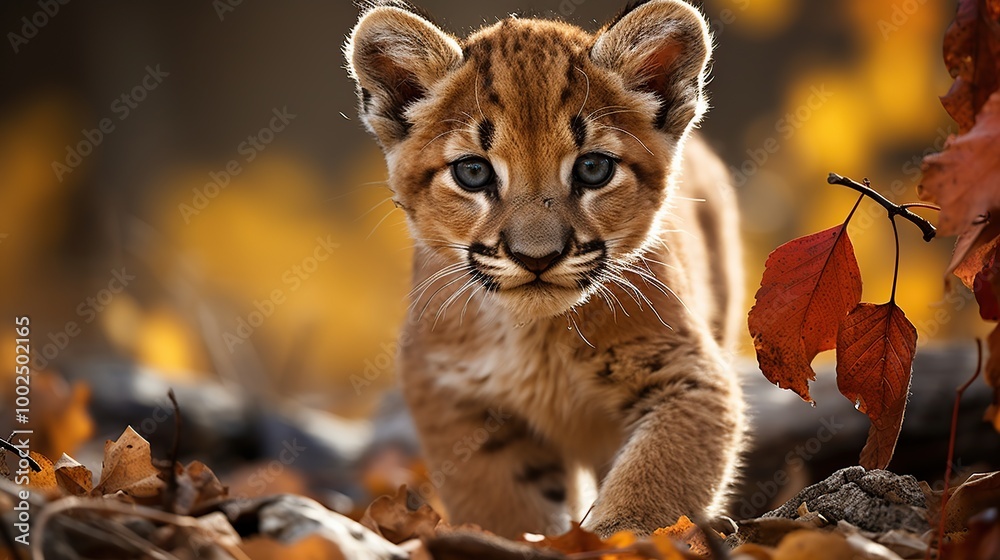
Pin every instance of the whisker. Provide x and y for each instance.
(619, 281)
(416, 301)
(452, 131)
(654, 261)
(612, 295)
(380, 222)
(608, 114)
(430, 299)
(627, 284)
(444, 271)
(479, 105)
(604, 298)
(447, 303)
(606, 107)
(657, 283)
(373, 208)
(577, 328)
(461, 318)
(587, 96)
(361, 187)
(636, 138)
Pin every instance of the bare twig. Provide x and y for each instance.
(8, 446)
(951, 443)
(892, 208)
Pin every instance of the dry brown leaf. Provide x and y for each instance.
(59, 414)
(964, 179)
(196, 484)
(312, 547)
(813, 545)
(44, 480)
(687, 532)
(574, 541)
(972, 55)
(391, 518)
(750, 551)
(128, 467)
(978, 493)
(72, 477)
(981, 542)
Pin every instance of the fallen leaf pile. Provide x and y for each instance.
(964, 179)
(145, 508)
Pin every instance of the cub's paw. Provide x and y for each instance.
(615, 521)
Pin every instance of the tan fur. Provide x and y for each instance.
(517, 386)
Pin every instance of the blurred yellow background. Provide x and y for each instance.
(215, 205)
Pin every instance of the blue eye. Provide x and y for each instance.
(593, 170)
(473, 174)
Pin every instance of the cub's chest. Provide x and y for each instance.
(541, 374)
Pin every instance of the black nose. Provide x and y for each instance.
(537, 265)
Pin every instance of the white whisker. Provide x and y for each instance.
(373, 208)
(452, 131)
(380, 222)
(587, 96)
(636, 138)
(577, 328)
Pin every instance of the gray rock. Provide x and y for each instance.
(877, 501)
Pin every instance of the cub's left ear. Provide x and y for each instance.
(396, 56)
(661, 47)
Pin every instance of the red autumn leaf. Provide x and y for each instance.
(964, 179)
(809, 286)
(972, 55)
(875, 349)
(979, 272)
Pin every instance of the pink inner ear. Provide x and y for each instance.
(658, 66)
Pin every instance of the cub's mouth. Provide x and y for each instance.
(539, 286)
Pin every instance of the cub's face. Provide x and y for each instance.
(533, 157)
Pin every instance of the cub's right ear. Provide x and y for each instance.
(396, 57)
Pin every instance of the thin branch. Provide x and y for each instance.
(951, 441)
(8, 446)
(923, 205)
(892, 208)
(895, 271)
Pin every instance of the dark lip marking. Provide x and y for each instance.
(482, 249)
(590, 247)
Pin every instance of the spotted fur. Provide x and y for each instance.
(559, 331)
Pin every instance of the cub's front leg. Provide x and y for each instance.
(682, 453)
(487, 466)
